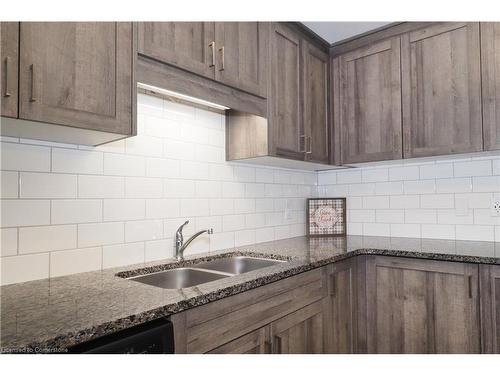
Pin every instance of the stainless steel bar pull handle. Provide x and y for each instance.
(222, 57)
(278, 347)
(212, 47)
(302, 142)
(309, 139)
(33, 84)
(7, 63)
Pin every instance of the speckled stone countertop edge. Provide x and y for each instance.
(72, 338)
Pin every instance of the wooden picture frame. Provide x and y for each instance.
(334, 210)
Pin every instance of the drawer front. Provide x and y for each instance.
(217, 323)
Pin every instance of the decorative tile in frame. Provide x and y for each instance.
(326, 217)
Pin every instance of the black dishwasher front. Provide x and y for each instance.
(155, 337)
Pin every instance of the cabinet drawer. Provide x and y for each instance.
(217, 323)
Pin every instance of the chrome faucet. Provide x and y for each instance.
(180, 246)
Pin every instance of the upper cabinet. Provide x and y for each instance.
(285, 104)
(316, 103)
(242, 55)
(187, 45)
(490, 63)
(77, 74)
(9, 49)
(441, 90)
(233, 53)
(367, 90)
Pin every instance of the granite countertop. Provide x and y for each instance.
(53, 314)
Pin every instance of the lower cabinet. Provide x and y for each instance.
(364, 304)
(255, 342)
(490, 308)
(342, 308)
(421, 306)
(301, 332)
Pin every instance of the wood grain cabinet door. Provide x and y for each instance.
(300, 332)
(342, 312)
(490, 63)
(316, 111)
(490, 308)
(242, 55)
(441, 90)
(9, 54)
(421, 306)
(187, 45)
(255, 342)
(286, 135)
(77, 74)
(369, 103)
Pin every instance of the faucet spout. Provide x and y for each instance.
(180, 245)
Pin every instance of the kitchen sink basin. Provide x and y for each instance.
(178, 278)
(237, 265)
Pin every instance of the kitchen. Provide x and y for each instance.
(250, 187)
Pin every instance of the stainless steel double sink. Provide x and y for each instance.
(205, 272)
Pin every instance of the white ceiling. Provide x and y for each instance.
(335, 31)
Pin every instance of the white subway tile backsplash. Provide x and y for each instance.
(233, 222)
(142, 230)
(389, 188)
(143, 187)
(47, 238)
(76, 161)
(244, 237)
(101, 187)
(420, 216)
(496, 167)
(96, 234)
(144, 145)
(75, 211)
(47, 185)
(404, 173)
(24, 268)
(195, 207)
(8, 237)
(160, 249)
(405, 230)
(124, 209)
(375, 175)
(194, 170)
(454, 185)
(486, 184)
(18, 213)
(442, 170)
(74, 261)
(420, 187)
(472, 168)
(10, 184)
(162, 208)
(123, 254)
(161, 167)
(389, 216)
(349, 177)
(264, 234)
(405, 201)
(21, 157)
(208, 189)
(437, 201)
(244, 174)
(221, 206)
(376, 229)
(445, 231)
(124, 165)
(362, 189)
(376, 202)
(449, 216)
(475, 232)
